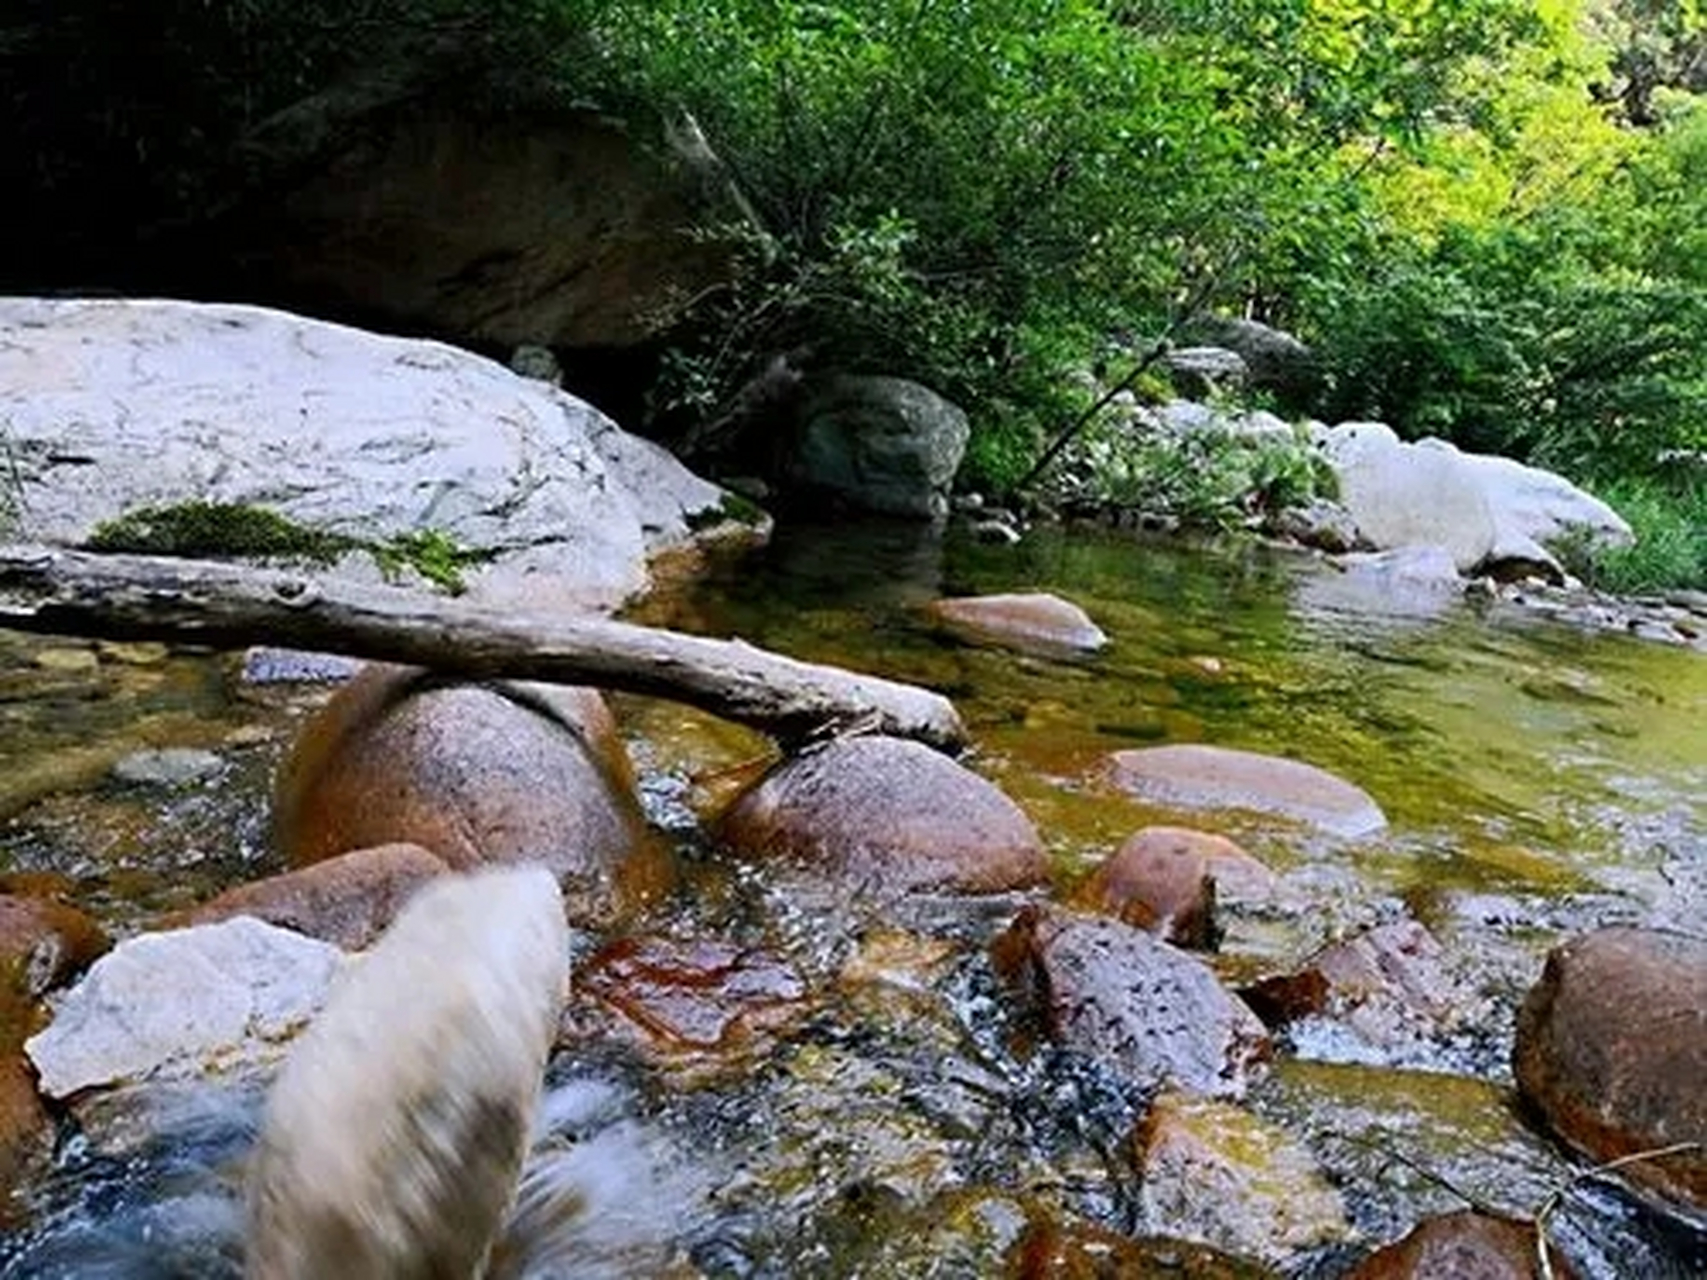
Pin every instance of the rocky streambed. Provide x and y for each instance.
(1109, 998)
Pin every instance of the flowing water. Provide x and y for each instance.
(869, 1108)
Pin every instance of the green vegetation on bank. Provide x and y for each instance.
(1488, 217)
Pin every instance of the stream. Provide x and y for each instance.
(876, 1110)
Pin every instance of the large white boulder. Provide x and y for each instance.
(219, 998)
(1485, 511)
(108, 406)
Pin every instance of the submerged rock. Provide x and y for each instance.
(1214, 1173)
(1081, 1251)
(1193, 776)
(162, 1006)
(700, 998)
(347, 900)
(26, 1133)
(477, 774)
(1467, 1245)
(1612, 1050)
(883, 817)
(1031, 621)
(1154, 1014)
(396, 1131)
(1166, 880)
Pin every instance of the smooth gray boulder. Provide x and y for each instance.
(218, 998)
(110, 406)
(1491, 514)
(394, 1136)
(884, 445)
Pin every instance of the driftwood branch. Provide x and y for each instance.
(225, 606)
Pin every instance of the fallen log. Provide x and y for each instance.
(228, 606)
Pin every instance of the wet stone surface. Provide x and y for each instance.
(883, 1104)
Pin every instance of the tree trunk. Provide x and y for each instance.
(225, 606)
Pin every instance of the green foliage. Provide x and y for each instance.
(216, 530)
(1215, 478)
(1670, 525)
(222, 530)
(433, 554)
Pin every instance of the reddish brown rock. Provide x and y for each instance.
(475, 773)
(1466, 1245)
(1080, 1251)
(43, 943)
(1149, 1011)
(1612, 1051)
(347, 900)
(692, 998)
(1165, 880)
(1032, 621)
(26, 1135)
(1215, 1173)
(1193, 776)
(884, 817)
(1388, 985)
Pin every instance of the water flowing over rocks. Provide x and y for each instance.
(1467, 1245)
(1166, 880)
(1215, 1173)
(1612, 1050)
(166, 1006)
(114, 406)
(883, 817)
(476, 774)
(1193, 776)
(1154, 1014)
(1080, 1251)
(395, 1133)
(1033, 621)
(347, 900)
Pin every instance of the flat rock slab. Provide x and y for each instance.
(115, 405)
(173, 1005)
(1030, 621)
(1193, 776)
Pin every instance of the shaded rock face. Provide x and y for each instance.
(1213, 1172)
(394, 1135)
(561, 228)
(1033, 621)
(883, 817)
(1612, 1050)
(1166, 880)
(347, 900)
(169, 1006)
(116, 405)
(1491, 514)
(476, 774)
(1466, 1245)
(1152, 1013)
(883, 445)
(1274, 359)
(1193, 776)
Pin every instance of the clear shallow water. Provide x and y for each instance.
(1538, 782)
